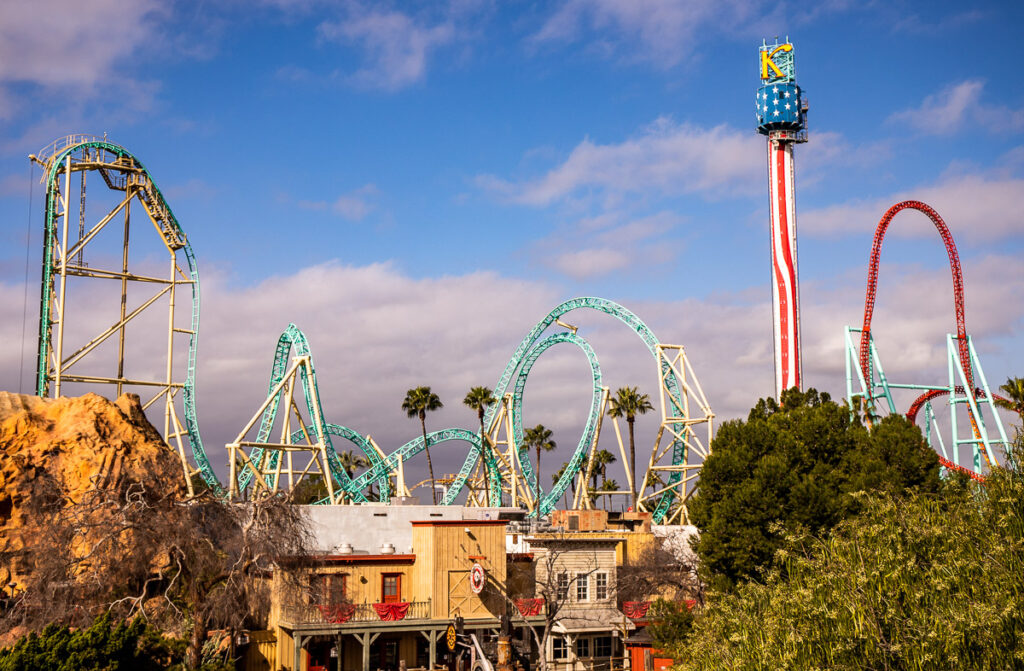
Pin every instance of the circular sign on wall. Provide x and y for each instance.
(477, 579)
(449, 637)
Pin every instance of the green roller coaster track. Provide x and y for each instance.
(515, 375)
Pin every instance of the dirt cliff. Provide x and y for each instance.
(64, 447)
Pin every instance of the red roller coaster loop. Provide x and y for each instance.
(958, 287)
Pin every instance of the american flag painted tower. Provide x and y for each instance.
(781, 113)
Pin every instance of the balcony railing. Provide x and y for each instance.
(330, 615)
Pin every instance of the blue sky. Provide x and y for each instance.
(469, 164)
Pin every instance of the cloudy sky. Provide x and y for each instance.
(415, 184)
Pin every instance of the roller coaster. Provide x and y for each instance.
(867, 385)
(261, 465)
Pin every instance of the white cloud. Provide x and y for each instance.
(976, 208)
(610, 242)
(659, 31)
(395, 45)
(353, 206)
(665, 158)
(959, 106)
(70, 43)
(376, 332)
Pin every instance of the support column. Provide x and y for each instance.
(367, 639)
(431, 637)
(298, 640)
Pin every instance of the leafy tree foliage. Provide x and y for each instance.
(479, 399)
(795, 465)
(918, 583)
(417, 403)
(104, 646)
(1013, 396)
(628, 402)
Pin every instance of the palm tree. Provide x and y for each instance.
(539, 438)
(352, 462)
(599, 466)
(629, 402)
(608, 486)
(1013, 390)
(478, 399)
(418, 402)
(558, 476)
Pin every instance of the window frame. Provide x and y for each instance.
(611, 647)
(329, 589)
(582, 587)
(601, 590)
(559, 644)
(582, 648)
(562, 586)
(384, 596)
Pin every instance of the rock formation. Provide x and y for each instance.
(65, 447)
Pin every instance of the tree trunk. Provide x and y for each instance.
(484, 453)
(430, 464)
(536, 501)
(198, 635)
(632, 462)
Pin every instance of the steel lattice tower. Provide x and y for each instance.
(781, 114)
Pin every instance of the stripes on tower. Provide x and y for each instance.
(781, 114)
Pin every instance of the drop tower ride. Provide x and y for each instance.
(781, 116)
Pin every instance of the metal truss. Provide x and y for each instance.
(62, 362)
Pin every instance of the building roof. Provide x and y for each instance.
(601, 617)
(368, 527)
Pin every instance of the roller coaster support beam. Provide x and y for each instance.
(64, 259)
(268, 466)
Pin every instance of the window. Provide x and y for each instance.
(582, 587)
(602, 646)
(563, 586)
(391, 588)
(559, 650)
(329, 589)
(582, 648)
(601, 586)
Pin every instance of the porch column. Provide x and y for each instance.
(367, 639)
(298, 640)
(432, 637)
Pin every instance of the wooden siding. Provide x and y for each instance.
(452, 552)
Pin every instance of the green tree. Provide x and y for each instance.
(539, 438)
(106, 645)
(479, 398)
(918, 582)
(1013, 392)
(418, 402)
(797, 464)
(598, 466)
(556, 476)
(628, 402)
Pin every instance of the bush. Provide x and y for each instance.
(922, 582)
(796, 466)
(104, 646)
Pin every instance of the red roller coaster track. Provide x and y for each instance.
(958, 287)
(958, 303)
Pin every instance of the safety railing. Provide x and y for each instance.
(339, 614)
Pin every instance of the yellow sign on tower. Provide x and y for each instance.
(768, 62)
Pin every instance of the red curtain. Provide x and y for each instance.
(389, 612)
(529, 607)
(635, 609)
(337, 614)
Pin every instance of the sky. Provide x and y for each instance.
(415, 184)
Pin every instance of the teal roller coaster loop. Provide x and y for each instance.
(293, 338)
(518, 368)
(380, 467)
(46, 317)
